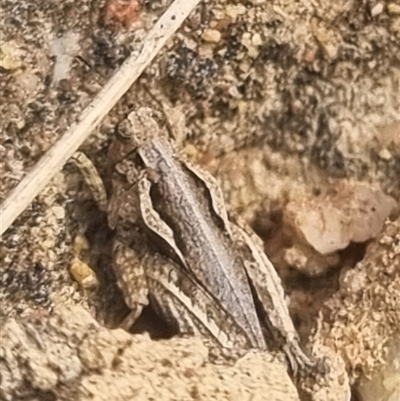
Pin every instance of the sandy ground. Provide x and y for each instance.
(295, 106)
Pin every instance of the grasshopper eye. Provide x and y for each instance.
(124, 131)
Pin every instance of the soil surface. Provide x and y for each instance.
(294, 106)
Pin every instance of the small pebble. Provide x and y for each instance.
(234, 10)
(256, 40)
(211, 36)
(377, 9)
(83, 274)
(393, 9)
(10, 57)
(384, 154)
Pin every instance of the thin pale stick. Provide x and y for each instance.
(66, 146)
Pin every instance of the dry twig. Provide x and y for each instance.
(65, 147)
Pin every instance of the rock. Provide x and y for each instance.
(71, 357)
(353, 213)
(361, 319)
(385, 384)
